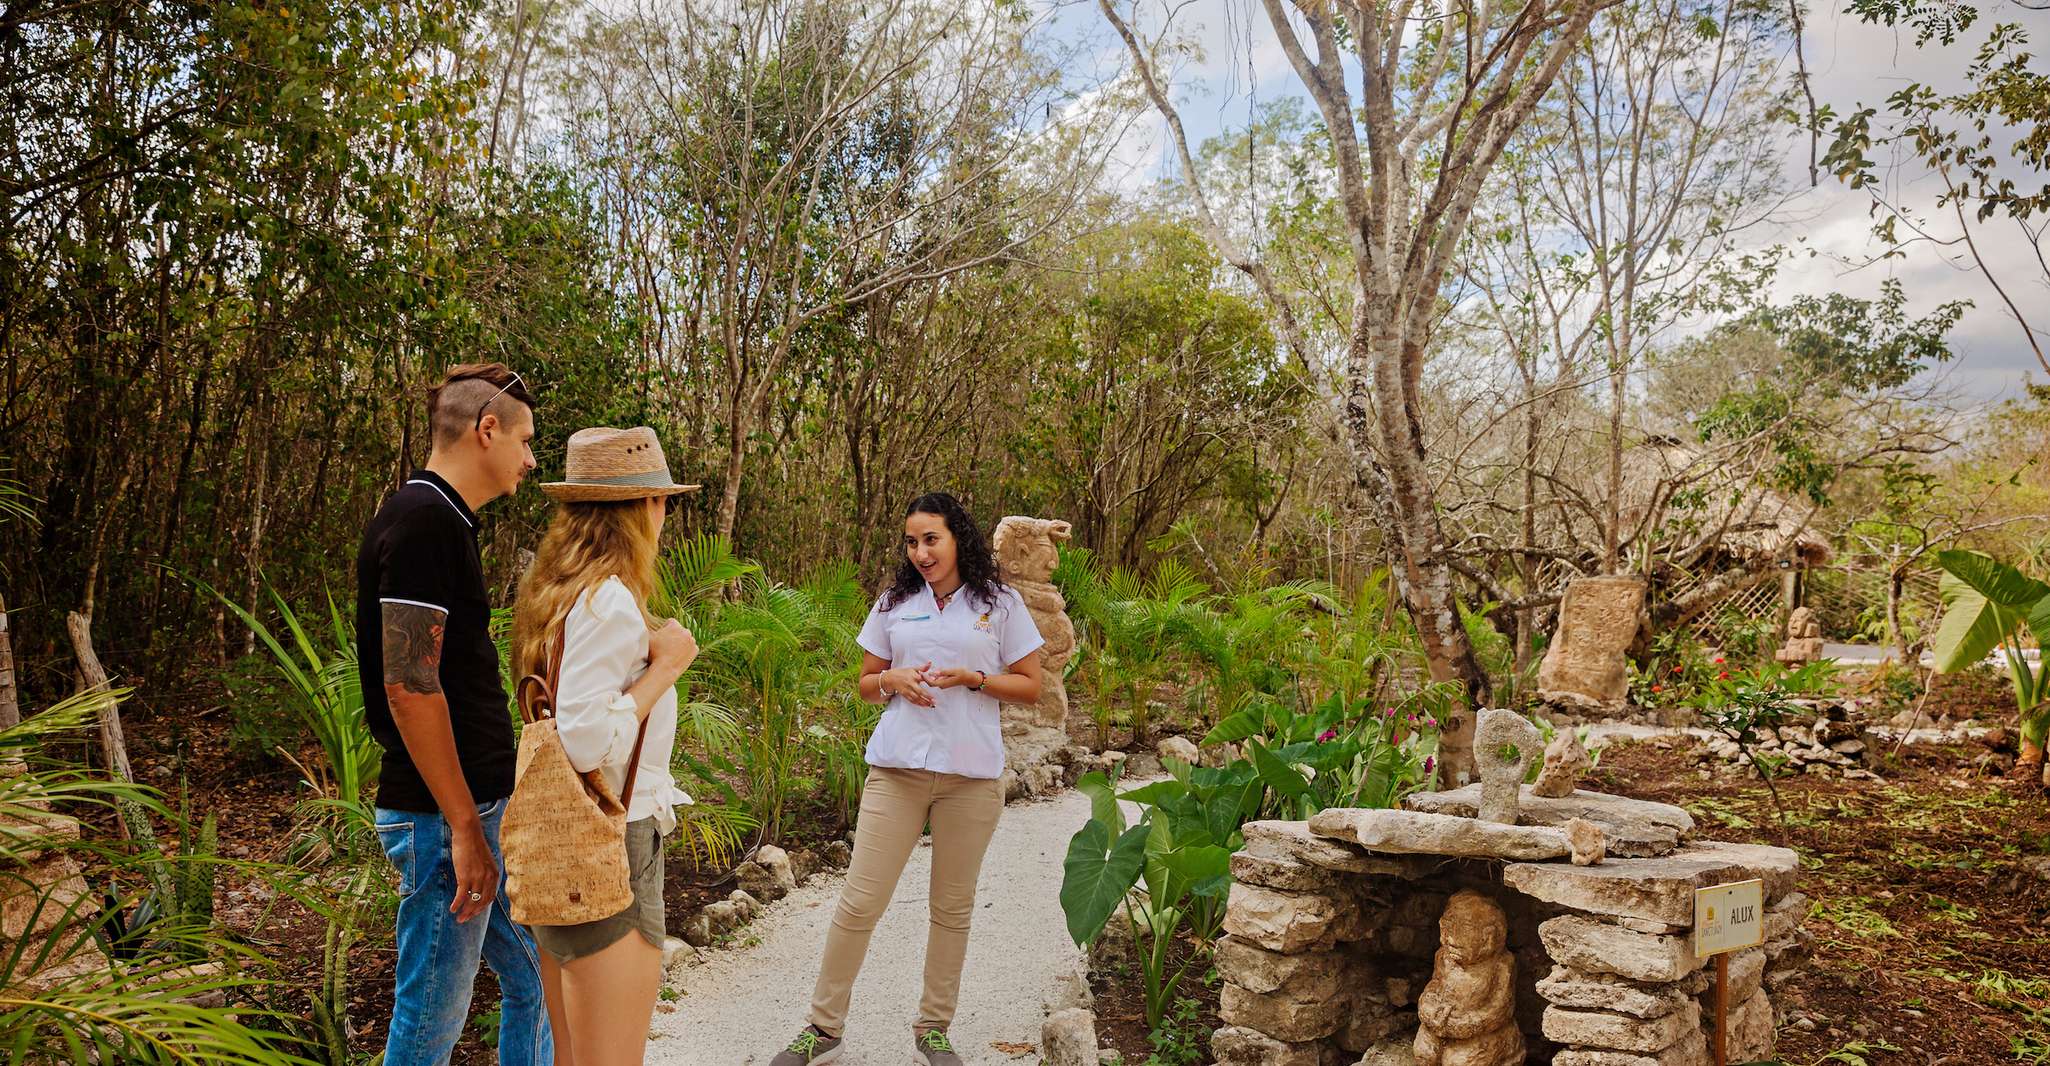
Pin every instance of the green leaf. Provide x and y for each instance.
(1103, 801)
(1983, 601)
(1157, 793)
(1277, 774)
(1097, 875)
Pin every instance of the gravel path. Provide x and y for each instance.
(742, 1004)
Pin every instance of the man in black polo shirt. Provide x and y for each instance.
(433, 699)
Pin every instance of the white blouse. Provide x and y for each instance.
(962, 733)
(605, 650)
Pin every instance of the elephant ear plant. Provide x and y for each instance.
(1988, 604)
(1180, 846)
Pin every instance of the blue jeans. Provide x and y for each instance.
(438, 955)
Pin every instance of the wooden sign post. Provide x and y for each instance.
(1727, 918)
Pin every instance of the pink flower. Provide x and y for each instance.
(1390, 712)
(1409, 717)
(1429, 763)
(1431, 722)
(1327, 736)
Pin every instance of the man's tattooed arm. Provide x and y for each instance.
(412, 648)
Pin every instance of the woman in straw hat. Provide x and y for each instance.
(590, 582)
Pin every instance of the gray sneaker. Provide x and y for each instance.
(937, 1050)
(811, 1048)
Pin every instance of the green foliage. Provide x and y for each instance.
(321, 670)
(1180, 1039)
(144, 1010)
(1988, 604)
(770, 703)
(1739, 703)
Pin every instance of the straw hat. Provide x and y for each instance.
(614, 464)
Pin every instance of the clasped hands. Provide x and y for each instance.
(916, 683)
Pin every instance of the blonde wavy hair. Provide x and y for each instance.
(586, 543)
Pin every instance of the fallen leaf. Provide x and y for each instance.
(1009, 1048)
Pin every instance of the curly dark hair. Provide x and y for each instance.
(978, 565)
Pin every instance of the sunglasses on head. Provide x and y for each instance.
(494, 398)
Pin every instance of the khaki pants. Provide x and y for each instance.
(895, 807)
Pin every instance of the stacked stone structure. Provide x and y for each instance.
(1331, 943)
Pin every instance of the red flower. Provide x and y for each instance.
(1677, 670)
(1718, 660)
(1724, 676)
(1655, 688)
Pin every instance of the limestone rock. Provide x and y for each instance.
(1286, 922)
(1309, 975)
(721, 918)
(1747, 970)
(1280, 1016)
(768, 876)
(1575, 989)
(1661, 888)
(1504, 742)
(1181, 748)
(1633, 827)
(1026, 551)
(1751, 1029)
(1466, 1016)
(1585, 664)
(1396, 1051)
(1070, 990)
(1585, 838)
(673, 949)
(1692, 1050)
(744, 904)
(1565, 760)
(1785, 916)
(1068, 1038)
(1599, 947)
(1289, 875)
(1295, 841)
(1621, 1032)
(1238, 1046)
(837, 854)
(698, 931)
(1410, 832)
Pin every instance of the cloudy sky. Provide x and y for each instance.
(1850, 63)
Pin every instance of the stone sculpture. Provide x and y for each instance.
(1503, 744)
(1466, 1016)
(1804, 638)
(1565, 760)
(1027, 550)
(1585, 665)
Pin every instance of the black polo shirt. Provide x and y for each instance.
(421, 548)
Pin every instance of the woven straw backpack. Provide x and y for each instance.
(564, 832)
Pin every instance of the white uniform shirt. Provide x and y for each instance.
(605, 650)
(963, 732)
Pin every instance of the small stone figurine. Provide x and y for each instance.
(1565, 760)
(1503, 744)
(1466, 1016)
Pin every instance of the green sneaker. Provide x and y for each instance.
(811, 1048)
(936, 1048)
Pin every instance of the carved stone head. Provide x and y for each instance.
(1472, 927)
(1027, 549)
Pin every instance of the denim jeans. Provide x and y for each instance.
(438, 955)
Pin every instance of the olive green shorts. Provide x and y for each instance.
(568, 943)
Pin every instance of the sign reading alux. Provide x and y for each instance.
(1729, 917)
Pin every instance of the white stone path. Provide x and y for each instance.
(741, 1004)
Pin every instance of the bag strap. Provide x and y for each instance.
(640, 736)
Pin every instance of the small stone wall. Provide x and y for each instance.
(1330, 944)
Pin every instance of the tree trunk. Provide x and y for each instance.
(1409, 514)
(10, 705)
(1896, 582)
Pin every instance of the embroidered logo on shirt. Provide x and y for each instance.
(982, 623)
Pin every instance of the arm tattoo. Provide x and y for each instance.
(412, 648)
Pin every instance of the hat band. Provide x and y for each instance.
(653, 479)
